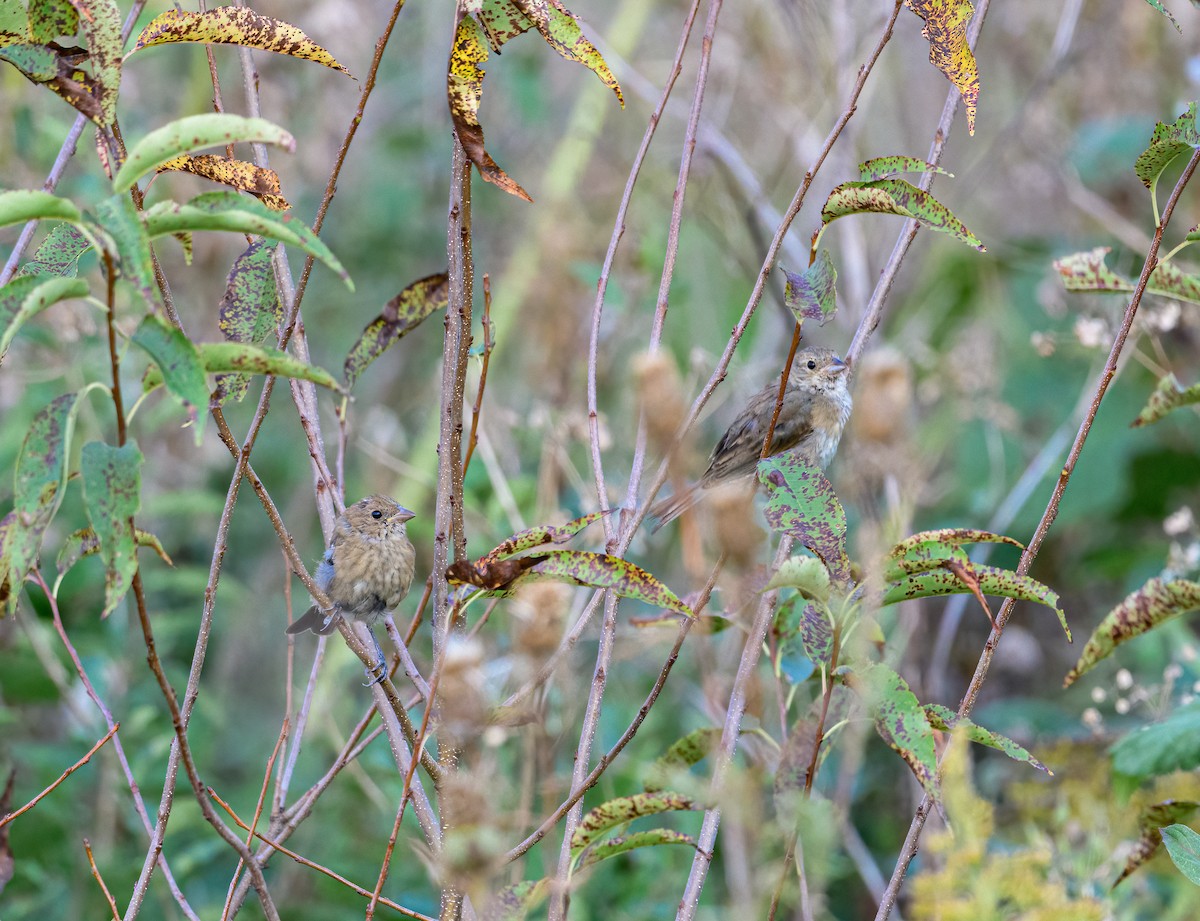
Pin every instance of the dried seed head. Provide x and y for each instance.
(461, 699)
(883, 398)
(537, 614)
(734, 523)
(660, 397)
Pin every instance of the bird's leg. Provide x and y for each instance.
(379, 671)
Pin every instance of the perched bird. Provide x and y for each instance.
(816, 405)
(367, 570)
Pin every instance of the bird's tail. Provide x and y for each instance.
(670, 508)
(314, 620)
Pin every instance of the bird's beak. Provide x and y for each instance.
(403, 514)
(837, 366)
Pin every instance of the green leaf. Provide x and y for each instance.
(195, 132)
(992, 581)
(944, 719)
(23, 205)
(1167, 143)
(1160, 748)
(895, 196)
(239, 214)
(41, 474)
(543, 534)
(1183, 846)
(250, 310)
(689, 750)
(600, 570)
(926, 550)
(804, 573)
(623, 843)
(885, 167)
(26, 296)
(181, 367)
(1162, 9)
(561, 31)
(622, 810)
(1086, 271)
(84, 542)
(1168, 395)
(812, 294)
(37, 62)
(400, 316)
(112, 492)
(899, 718)
(802, 504)
(58, 254)
(231, 25)
(119, 217)
(1150, 823)
(1153, 604)
(14, 24)
(219, 357)
(51, 19)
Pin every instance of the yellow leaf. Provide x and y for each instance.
(239, 174)
(946, 29)
(231, 25)
(464, 86)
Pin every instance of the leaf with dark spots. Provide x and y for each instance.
(927, 550)
(120, 219)
(400, 316)
(1153, 604)
(51, 19)
(1151, 822)
(514, 902)
(1168, 142)
(886, 167)
(489, 574)
(899, 718)
(544, 534)
(84, 543)
(684, 753)
(464, 87)
(259, 181)
(946, 31)
(26, 296)
(802, 504)
(101, 29)
(41, 474)
(112, 487)
(600, 570)
(231, 25)
(804, 573)
(235, 357)
(812, 294)
(622, 844)
(1168, 395)
(559, 27)
(989, 580)
(58, 254)
(791, 776)
(625, 809)
(1088, 271)
(895, 196)
(250, 310)
(179, 362)
(944, 719)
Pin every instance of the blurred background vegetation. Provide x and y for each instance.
(979, 366)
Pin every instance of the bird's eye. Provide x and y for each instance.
(376, 514)
(812, 364)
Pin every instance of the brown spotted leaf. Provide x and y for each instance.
(259, 181)
(231, 25)
(600, 570)
(400, 316)
(58, 69)
(489, 574)
(899, 718)
(28, 295)
(112, 492)
(929, 550)
(621, 844)
(1087, 271)
(689, 750)
(250, 310)
(896, 196)
(1150, 822)
(608, 816)
(1153, 604)
(514, 902)
(464, 87)
(802, 504)
(84, 543)
(1168, 142)
(1168, 395)
(946, 31)
(561, 31)
(51, 19)
(944, 719)
(41, 474)
(543, 534)
(100, 23)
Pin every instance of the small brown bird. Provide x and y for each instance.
(816, 405)
(367, 570)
